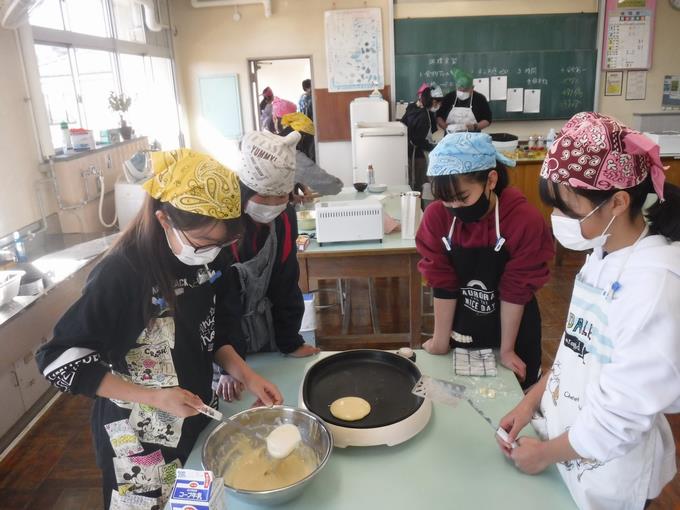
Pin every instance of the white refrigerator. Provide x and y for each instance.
(378, 142)
(384, 145)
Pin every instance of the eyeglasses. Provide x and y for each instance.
(198, 250)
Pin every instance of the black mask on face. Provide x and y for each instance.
(474, 212)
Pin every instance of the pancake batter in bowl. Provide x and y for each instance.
(254, 470)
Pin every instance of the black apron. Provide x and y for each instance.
(478, 307)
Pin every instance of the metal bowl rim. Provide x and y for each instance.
(280, 489)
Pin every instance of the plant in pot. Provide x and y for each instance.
(121, 103)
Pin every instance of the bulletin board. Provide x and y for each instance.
(628, 34)
(354, 50)
(221, 104)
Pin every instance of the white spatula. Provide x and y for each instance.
(280, 442)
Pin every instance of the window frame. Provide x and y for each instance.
(75, 40)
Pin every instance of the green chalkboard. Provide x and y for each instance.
(555, 53)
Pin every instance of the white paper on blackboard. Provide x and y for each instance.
(482, 86)
(532, 100)
(499, 88)
(515, 100)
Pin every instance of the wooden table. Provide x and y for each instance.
(394, 257)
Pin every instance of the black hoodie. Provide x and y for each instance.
(419, 123)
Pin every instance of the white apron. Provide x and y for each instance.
(622, 483)
(459, 117)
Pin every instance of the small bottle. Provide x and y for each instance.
(550, 138)
(65, 136)
(371, 175)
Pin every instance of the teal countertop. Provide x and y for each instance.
(454, 463)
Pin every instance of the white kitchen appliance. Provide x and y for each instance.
(389, 434)
(383, 145)
(349, 221)
(129, 194)
(668, 141)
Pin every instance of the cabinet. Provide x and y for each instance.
(32, 385)
(10, 401)
(21, 383)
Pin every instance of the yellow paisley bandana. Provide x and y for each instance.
(195, 183)
(299, 122)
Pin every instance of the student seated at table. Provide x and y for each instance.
(485, 253)
(142, 338)
(600, 410)
(266, 262)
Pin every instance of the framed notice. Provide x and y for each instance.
(671, 92)
(628, 34)
(613, 85)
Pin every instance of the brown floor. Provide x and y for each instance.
(53, 466)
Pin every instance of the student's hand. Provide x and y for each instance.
(229, 388)
(511, 361)
(434, 347)
(513, 423)
(304, 350)
(302, 193)
(266, 392)
(529, 456)
(176, 401)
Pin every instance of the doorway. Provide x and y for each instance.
(284, 75)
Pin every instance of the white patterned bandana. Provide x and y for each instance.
(463, 153)
(268, 162)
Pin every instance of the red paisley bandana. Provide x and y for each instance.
(596, 152)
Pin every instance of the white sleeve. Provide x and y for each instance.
(643, 378)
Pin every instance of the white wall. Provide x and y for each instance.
(209, 42)
(665, 57)
(336, 158)
(665, 60)
(19, 163)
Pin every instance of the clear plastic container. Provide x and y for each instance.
(9, 285)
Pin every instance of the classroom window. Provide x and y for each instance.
(47, 14)
(96, 79)
(148, 81)
(129, 21)
(80, 65)
(58, 87)
(80, 16)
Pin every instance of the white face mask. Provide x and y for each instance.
(463, 96)
(568, 233)
(434, 109)
(263, 213)
(188, 255)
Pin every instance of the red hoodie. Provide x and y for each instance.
(528, 241)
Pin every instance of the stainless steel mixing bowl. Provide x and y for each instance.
(262, 420)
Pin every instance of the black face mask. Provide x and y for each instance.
(474, 212)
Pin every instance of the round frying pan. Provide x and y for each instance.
(382, 378)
